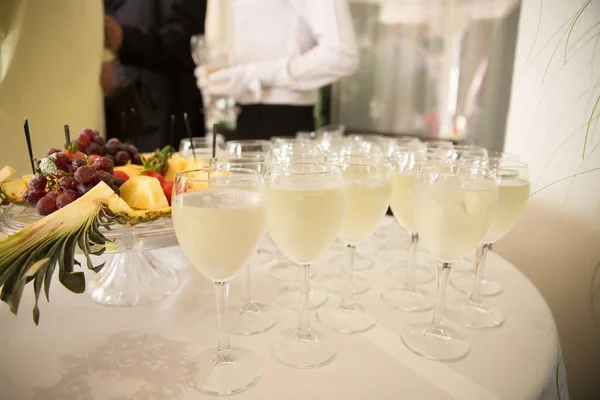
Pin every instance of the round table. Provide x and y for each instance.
(82, 350)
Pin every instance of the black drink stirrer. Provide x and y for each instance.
(214, 140)
(28, 138)
(189, 133)
(67, 135)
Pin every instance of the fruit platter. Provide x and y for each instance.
(89, 198)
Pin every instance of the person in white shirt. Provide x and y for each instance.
(283, 52)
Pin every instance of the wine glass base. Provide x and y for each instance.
(464, 265)
(361, 263)
(335, 283)
(475, 316)
(286, 272)
(234, 374)
(310, 349)
(346, 318)
(413, 300)
(442, 345)
(422, 274)
(291, 297)
(131, 278)
(251, 318)
(464, 283)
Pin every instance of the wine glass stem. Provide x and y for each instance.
(304, 316)
(223, 343)
(248, 288)
(412, 262)
(480, 257)
(438, 312)
(349, 283)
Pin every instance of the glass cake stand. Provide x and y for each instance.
(131, 275)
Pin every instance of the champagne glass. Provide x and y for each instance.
(406, 296)
(305, 207)
(251, 316)
(252, 148)
(464, 282)
(453, 209)
(513, 191)
(368, 191)
(201, 143)
(219, 218)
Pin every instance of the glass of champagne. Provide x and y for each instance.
(249, 317)
(367, 190)
(219, 218)
(305, 208)
(513, 191)
(464, 282)
(406, 296)
(453, 209)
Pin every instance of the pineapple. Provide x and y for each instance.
(144, 193)
(174, 165)
(34, 252)
(14, 189)
(6, 173)
(130, 170)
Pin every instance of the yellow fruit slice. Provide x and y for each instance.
(14, 189)
(144, 193)
(174, 165)
(6, 173)
(129, 170)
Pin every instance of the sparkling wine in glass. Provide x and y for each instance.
(453, 210)
(513, 192)
(406, 296)
(367, 190)
(305, 208)
(219, 218)
(251, 316)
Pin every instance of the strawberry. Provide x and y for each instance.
(156, 175)
(167, 188)
(120, 174)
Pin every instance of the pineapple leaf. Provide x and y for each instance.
(37, 288)
(97, 268)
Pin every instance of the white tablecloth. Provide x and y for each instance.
(83, 350)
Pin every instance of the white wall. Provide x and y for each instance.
(557, 243)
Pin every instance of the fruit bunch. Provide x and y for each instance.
(89, 142)
(59, 180)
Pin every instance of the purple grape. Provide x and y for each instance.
(105, 177)
(84, 174)
(46, 205)
(131, 149)
(99, 140)
(52, 150)
(38, 182)
(94, 148)
(111, 147)
(65, 199)
(83, 188)
(52, 193)
(118, 182)
(76, 163)
(103, 164)
(121, 157)
(123, 146)
(136, 159)
(113, 140)
(31, 197)
(67, 183)
(111, 158)
(61, 160)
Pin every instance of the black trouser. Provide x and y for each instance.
(261, 121)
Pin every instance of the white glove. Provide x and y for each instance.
(240, 80)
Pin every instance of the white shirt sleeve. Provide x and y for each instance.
(335, 54)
